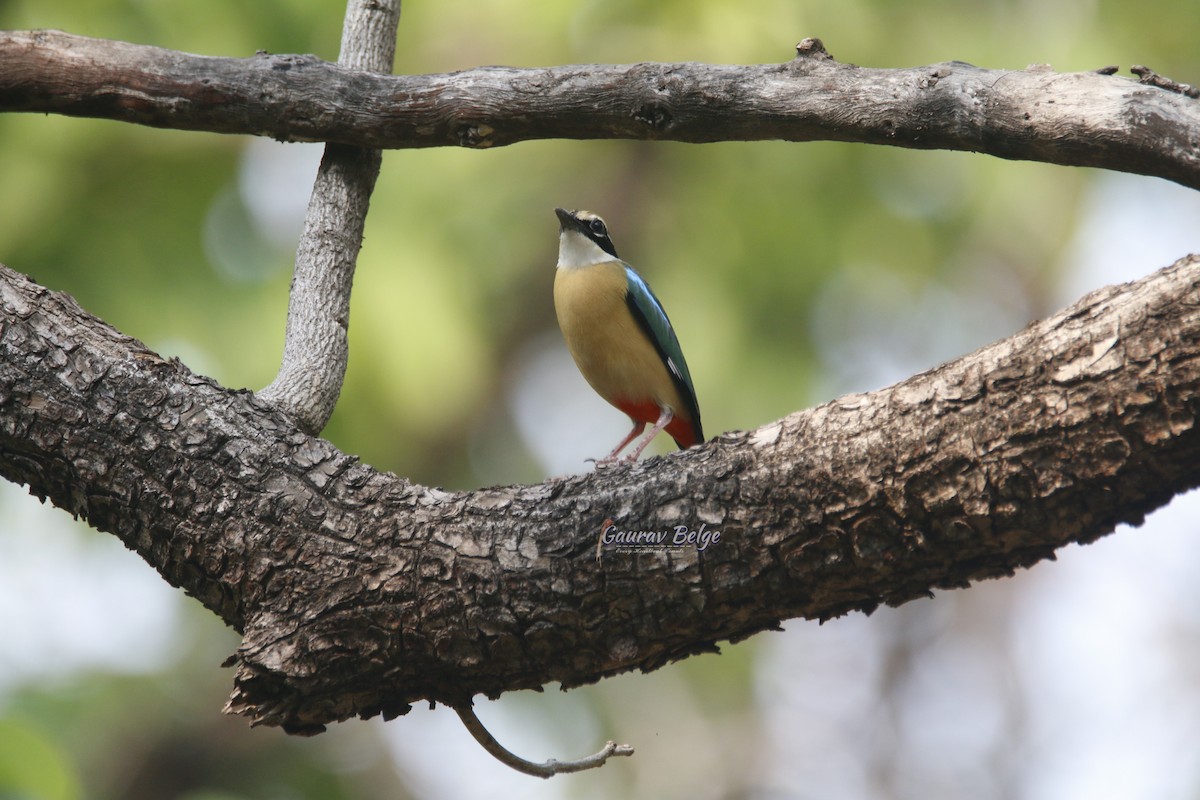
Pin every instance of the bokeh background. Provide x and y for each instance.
(793, 273)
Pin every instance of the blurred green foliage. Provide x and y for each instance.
(32, 766)
(767, 256)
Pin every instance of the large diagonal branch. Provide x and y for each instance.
(1077, 119)
(358, 592)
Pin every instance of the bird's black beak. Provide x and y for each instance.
(567, 220)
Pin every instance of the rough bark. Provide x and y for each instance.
(1077, 119)
(359, 593)
(316, 351)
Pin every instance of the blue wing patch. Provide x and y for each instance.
(652, 319)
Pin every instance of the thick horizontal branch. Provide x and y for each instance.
(359, 593)
(1077, 119)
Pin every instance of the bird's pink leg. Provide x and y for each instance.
(664, 419)
(638, 427)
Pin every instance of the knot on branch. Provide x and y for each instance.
(811, 56)
(813, 47)
(931, 78)
(285, 63)
(477, 135)
(655, 115)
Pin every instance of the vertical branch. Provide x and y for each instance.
(315, 349)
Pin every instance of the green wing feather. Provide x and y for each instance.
(652, 319)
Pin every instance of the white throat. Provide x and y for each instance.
(576, 250)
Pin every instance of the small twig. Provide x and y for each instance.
(545, 769)
(1149, 77)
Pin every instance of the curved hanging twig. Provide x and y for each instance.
(545, 769)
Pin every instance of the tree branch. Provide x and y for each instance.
(359, 593)
(315, 351)
(546, 769)
(1075, 119)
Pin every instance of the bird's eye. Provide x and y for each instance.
(597, 226)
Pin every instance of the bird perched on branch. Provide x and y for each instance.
(620, 336)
